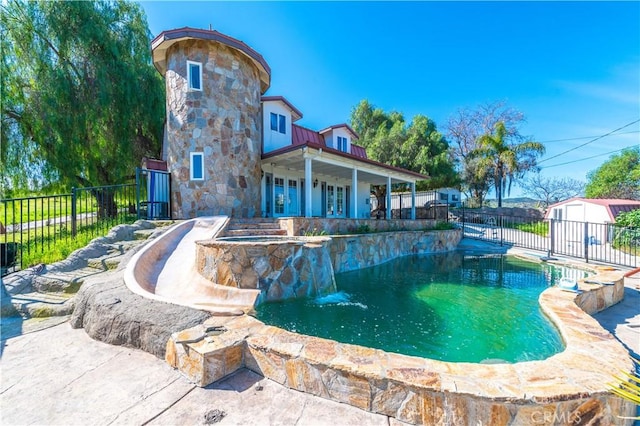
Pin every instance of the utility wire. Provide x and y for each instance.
(587, 143)
(583, 159)
(586, 137)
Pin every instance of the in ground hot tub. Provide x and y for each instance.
(281, 267)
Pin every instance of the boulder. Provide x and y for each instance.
(111, 313)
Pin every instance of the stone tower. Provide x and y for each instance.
(213, 135)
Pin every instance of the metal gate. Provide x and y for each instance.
(153, 188)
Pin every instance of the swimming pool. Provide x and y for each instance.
(451, 307)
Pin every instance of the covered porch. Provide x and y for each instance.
(312, 180)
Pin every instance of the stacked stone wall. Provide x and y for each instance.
(352, 252)
(223, 122)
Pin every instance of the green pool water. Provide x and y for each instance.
(452, 307)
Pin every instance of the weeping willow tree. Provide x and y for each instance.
(81, 101)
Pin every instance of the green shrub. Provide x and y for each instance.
(314, 232)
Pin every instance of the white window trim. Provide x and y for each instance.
(191, 158)
(189, 85)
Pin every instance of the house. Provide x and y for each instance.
(569, 218)
(232, 150)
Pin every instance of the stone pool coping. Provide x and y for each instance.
(565, 387)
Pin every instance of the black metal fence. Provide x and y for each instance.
(593, 242)
(35, 229)
(429, 205)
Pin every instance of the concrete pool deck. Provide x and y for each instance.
(59, 375)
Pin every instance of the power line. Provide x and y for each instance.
(583, 159)
(587, 143)
(586, 137)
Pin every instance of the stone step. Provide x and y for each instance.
(254, 220)
(259, 225)
(255, 232)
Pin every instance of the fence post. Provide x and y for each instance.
(463, 220)
(74, 211)
(552, 236)
(586, 242)
(138, 193)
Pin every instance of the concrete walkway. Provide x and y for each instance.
(60, 376)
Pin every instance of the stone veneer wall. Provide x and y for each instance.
(223, 122)
(290, 267)
(351, 252)
(314, 225)
(282, 269)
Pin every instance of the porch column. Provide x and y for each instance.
(307, 187)
(354, 190)
(388, 197)
(413, 201)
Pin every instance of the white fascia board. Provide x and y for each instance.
(335, 160)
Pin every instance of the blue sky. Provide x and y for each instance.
(573, 68)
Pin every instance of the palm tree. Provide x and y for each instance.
(505, 162)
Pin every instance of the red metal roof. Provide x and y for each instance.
(358, 151)
(301, 135)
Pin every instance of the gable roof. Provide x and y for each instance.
(338, 126)
(301, 135)
(613, 206)
(295, 112)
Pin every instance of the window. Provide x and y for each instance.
(444, 196)
(339, 199)
(557, 214)
(196, 171)
(279, 195)
(342, 144)
(278, 123)
(330, 200)
(194, 75)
